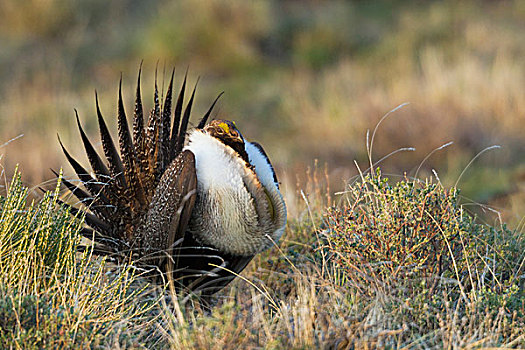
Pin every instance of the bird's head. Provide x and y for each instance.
(226, 131)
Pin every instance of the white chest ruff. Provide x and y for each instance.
(238, 210)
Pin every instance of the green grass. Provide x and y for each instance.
(395, 264)
(50, 295)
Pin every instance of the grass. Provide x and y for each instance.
(394, 264)
(53, 297)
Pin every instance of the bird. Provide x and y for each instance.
(192, 207)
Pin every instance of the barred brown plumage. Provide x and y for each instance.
(181, 211)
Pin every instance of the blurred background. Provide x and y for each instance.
(307, 79)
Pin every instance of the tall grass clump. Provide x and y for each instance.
(50, 295)
(430, 269)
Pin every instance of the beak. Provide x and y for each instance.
(239, 139)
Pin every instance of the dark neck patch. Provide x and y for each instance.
(226, 132)
(237, 147)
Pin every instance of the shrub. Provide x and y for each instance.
(416, 231)
(412, 247)
(394, 232)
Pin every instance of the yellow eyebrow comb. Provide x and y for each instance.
(225, 127)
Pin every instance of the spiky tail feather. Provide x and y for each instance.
(120, 195)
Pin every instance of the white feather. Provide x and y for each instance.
(231, 222)
(262, 166)
(216, 168)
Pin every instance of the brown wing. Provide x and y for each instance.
(169, 211)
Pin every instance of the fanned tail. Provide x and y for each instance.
(140, 197)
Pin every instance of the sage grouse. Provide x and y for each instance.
(194, 208)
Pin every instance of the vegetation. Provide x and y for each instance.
(411, 248)
(396, 264)
(52, 297)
